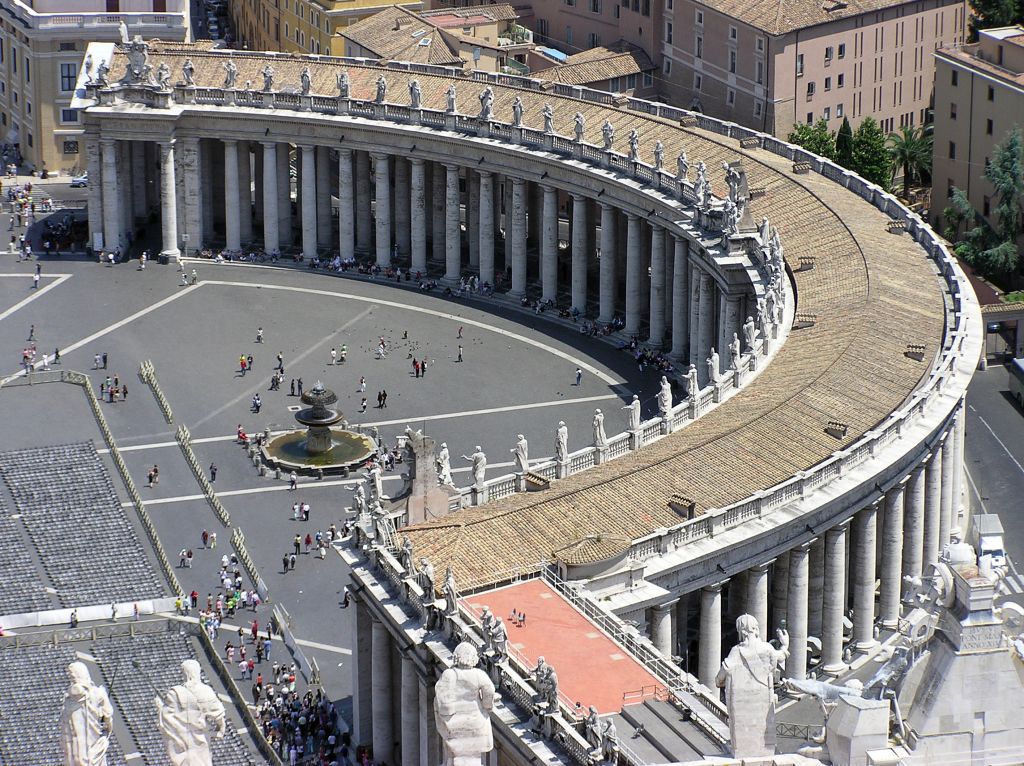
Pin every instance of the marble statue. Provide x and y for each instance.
(634, 145)
(451, 593)
(463, 700)
(185, 714)
(633, 413)
(700, 182)
(734, 352)
(499, 640)
(747, 675)
(479, 461)
(600, 440)
(359, 500)
(163, 76)
(561, 442)
(732, 179)
(547, 685)
(84, 720)
(487, 104)
(578, 123)
(548, 113)
(450, 95)
(415, 94)
(87, 67)
(444, 466)
(608, 134)
(306, 80)
(103, 74)
(268, 78)
(749, 333)
(521, 453)
(122, 30)
(609, 741)
(659, 156)
(138, 71)
(682, 167)
(517, 112)
(382, 89)
(405, 556)
(592, 728)
(374, 477)
(692, 387)
(713, 366)
(665, 397)
(188, 72)
(769, 303)
(705, 191)
(344, 86)
(486, 623)
(230, 73)
(762, 317)
(426, 578)
(764, 230)
(731, 217)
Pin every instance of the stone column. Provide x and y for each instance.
(728, 324)
(549, 245)
(657, 303)
(244, 193)
(834, 597)
(308, 201)
(634, 261)
(892, 557)
(606, 310)
(486, 226)
(208, 187)
(138, 154)
(111, 195)
(362, 669)
(710, 634)
(579, 253)
(932, 506)
(410, 709)
(323, 197)
(382, 182)
(694, 319)
(346, 205)
(168, 202)
(430, 745)
(403, 214)
(381, 701)
(949, 467)
(708, 293)
(473, 218)
(284, 193)
(661, 627)
(418, 215)
(517, 245)
(865, 525)
(680, 292)
(958, 473)
(757, 597)
(816, 578)
(257, 185)
(438, 211)
(913, 525)
(796, 621)
(780, 590)
(95, 191)
(364, 214)
(233, 233)
(452, 226)
(271, 235)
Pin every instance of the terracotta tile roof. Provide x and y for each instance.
(999, 309)
(968, 56)
(596, 547)
(777, 17)
(873, 293)
(399, 34)
(599, 64)
(474, 14)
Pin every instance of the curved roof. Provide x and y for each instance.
(872, 292)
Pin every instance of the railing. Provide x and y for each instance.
(184, 439)
(238, 541)
(148, 374)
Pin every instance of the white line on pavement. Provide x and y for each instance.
(994, 436)
(974, 487)
(61, 278)
(234, 629)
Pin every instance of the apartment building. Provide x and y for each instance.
(979, 98)
(41, 50)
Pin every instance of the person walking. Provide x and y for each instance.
(380, 399)
(460, 355)
(292, 393)
(213, 472)
(293, 481)
(280, 362)
(35, 281)
(384, 399)
(362, 405)
(579, 376)
(259, 334)
(362, 384)
(299, 385)
(334, 356)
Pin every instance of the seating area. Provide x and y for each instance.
(23, 589)
(160, 657)
(33, 681)
(69, 506)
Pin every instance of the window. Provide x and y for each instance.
(829, 52)
(827, 114)
(648, 79)
(839, 110)
(30, 141)
(595, 6)
(952, 150)
(986, 207)
(668, 32)
(14, 60)
(698, 51)
(991, 93)
(810, 118)
(732, 33)
(758, 108)
(28, 108)
(730, 97)
(699, 18)
(828, 83)
(952, 111)
(988, 127)
(760, 73)
(840, 80)
(647, 8)
(616, 12)
(810, 89)
(800, 65)
(666, 66)
(69, 46)
(842, 50)
(68, 76)
(669, 5)
(949, 188)
(68, 116)
(568, 35)
(70, 147)
(732, 62)
(630, 81)
(542, 29)
(594, 39)
(698, 81)
(760, 45)
(953, 78)
(287, 30)
(1, 51)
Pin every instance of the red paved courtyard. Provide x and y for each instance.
(592, 669)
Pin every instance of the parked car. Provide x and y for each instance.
(81, 181)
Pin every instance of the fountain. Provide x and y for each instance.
(319, 448)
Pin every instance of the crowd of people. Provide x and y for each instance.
(302, 728)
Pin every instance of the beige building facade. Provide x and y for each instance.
(41, 49)
(979, 98)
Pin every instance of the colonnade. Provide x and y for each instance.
(839, 585)
(532, 237)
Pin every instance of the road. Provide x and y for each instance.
(995, 464)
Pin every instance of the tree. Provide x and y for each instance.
(910, 150)
(815, 138)
(844, 144)
(988, 14)
(870, 158)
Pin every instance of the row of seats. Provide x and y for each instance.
(23, 589)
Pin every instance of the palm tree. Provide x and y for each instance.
(911, 151)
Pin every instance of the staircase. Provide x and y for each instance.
(656, 732)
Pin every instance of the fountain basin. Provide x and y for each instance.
(290, 451)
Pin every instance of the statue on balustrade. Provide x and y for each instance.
(306, 80)
(608, 134)
(521, 454)
(578, 122)
(547, 686)
(700, 182)
(188, 72)
(479, 461)
(451, 99)
(415, 94)
(730, 217)
(425, 575)
(382, 89)
(634, 145)
(592, 728)
(600, 440)
(87, 68)
(486, 623)
(517, 112)
(732, 180)
(463, 700)
(734, 352)
(138, 71)
(122, 31)
(548, 113)
(749, 333)
(268, 78)
(405, 556)
(609, 741)
(487, 104)
(359, 498)
(633, 413)
(747, 675)
(185, 715)
(163, 76)
(103, 74)
(499, 640)
(344, 86)
(682, 167)
(692, 386)
(764, 231)
(659, 155)
(85, 720)
(713, 366)
(444, 466)
(665, 397)
(230, 74)
(451, 593)
(561, 442)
